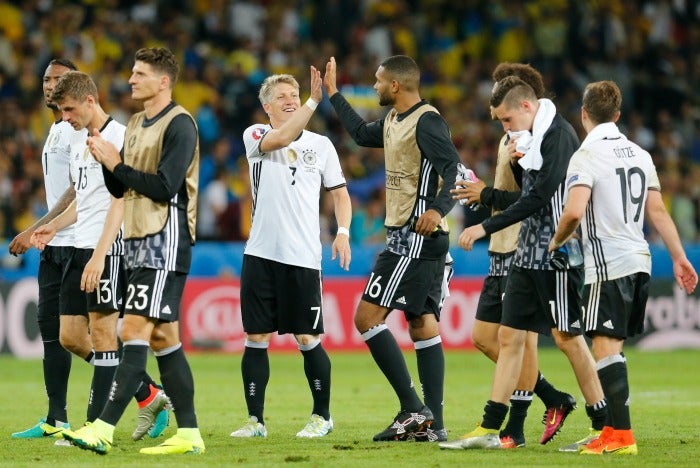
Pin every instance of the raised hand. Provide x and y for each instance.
(329, 79)
(316, 89)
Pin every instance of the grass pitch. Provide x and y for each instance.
(664, 398)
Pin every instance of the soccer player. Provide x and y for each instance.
(98, 241)
(52, 293)
(502, 247)
(537, 297)
(612, 185)
(158, 181)
(281, 274)
(421, 168)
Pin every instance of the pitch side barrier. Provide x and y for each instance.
(210, 316)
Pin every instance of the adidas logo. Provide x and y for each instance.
(576, 324)
(401, 300)
(166, 310)
(608, 324)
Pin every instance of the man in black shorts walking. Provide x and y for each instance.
(158, 181)
(56, 255)
(612, 185)
(538, 297)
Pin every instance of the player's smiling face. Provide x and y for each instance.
(282, 104)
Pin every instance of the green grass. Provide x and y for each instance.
(664, 396)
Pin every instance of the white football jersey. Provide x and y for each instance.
(286, 186)
(55, 160)
(620, 173)
(91, 193)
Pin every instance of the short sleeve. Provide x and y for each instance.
(580, 171)
(252, 136)
(654, 183)
(332, 172)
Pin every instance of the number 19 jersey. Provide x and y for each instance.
(619, 173)
(286, 186)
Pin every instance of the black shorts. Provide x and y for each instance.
(616, 308)
(409, 284)
(74, 301)
(53, 262)
(108, 297)
(539, 300)
(490, 307)
(280, 297)
(154, 293)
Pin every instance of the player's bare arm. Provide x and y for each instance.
(343, 216)
(44, 233)
(95, 266)
(683, 270)
(22, 241)
(571, 215)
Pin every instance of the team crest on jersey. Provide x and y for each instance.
(258, 133)
(309, 157)
(292, 156)
(53, 139)
(86, 153)
(132, 141)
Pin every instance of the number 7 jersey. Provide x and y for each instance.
(286, 185)
(620, 173)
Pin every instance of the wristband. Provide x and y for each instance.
(343, 230)
(312, 104)
(556, 244)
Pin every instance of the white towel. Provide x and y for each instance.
(530, 145)
(601, 131)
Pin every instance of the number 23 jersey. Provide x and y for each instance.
(619, 173)
(286, 187)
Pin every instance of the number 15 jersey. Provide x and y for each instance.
(91, 194)
(619, 173)
(286, 186)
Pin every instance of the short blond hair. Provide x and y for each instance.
(271, 81)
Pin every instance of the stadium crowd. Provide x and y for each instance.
(227, 47)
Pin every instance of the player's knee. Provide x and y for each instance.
(484, 346)
(567, 342)
(423, 327)
(307, 341)
(73, 344)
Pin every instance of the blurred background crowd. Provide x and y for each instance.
(227, 47)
